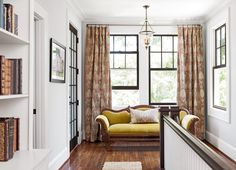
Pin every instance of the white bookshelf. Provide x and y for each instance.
(7, 37)
(13, 96)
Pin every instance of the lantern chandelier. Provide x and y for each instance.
(146, 32)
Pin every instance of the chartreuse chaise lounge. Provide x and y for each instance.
(138, 123)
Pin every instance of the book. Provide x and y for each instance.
(20, 76)
(1, 13)
(4, 139)
(2, 74)
(9, 17)
(16, 143)
(8, 68)
(7, 137)
(15, 24)
(4, 17)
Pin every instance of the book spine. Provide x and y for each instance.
(15, 24)
(20, 77)
(4, 17)
(6, 140)
(1, 13)
(11, 137)
(2, 141)
(16, 134)
(9, 9)
(2, 74)
(6, 90)
(17, 78)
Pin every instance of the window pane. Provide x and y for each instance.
(131, 43)
(175, 43)
(124, 98)
(111, 43)
(167, 44)
(223, 55)
(175, 59)
(167, 59)
(119, 43)
(218, 57)
(124, 77)
(155, 60)
(163, 86)
(218, 38)
(220, 87)
(119, 60)
(111, 60)
(223, 36)
(131, 60)
(156, 43)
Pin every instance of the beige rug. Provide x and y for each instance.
(122, 166)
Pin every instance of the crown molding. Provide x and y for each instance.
(139, 20)
(216, 10)
(76, 8)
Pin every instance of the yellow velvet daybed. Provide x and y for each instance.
(116, 125)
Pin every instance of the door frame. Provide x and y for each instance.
(41, 15)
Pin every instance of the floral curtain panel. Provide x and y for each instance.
(191, 74)
(97, 84)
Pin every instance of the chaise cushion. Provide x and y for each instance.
(117, 116)
(135, 129)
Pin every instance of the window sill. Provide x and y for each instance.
(223, 115)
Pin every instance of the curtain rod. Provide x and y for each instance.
(141, 25)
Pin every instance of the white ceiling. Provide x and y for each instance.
(159, 9)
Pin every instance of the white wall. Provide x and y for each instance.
(220, 129)
(60, 13)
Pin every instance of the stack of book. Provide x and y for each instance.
(8, 19)
(10, 76)
(9, 137)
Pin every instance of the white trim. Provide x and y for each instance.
(59, 160)
(43, 46)
(75, 7)
(228, 149)
(214, 112)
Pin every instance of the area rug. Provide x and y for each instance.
(122, 166)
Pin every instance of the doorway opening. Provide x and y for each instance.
(73, 87)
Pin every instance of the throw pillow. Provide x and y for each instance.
(147, 116)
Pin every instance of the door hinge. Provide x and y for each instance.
(77, 40)
(34, 111)
(77, 71)
(77, 102)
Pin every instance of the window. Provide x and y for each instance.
(163, 70)
(124, 69)
(219, 70)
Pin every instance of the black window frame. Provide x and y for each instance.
(162, 69)
(112, 51)
(219, 66)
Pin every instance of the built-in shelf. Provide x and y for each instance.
(13, 96)
(7, 37)
(27, 160)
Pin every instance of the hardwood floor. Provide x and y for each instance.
(91, 156)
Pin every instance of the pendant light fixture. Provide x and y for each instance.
(146, 32)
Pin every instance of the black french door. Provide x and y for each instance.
(73, 87)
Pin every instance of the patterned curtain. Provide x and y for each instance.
(191, 74)
(97, 82)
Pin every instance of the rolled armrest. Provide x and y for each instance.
(188, 122)
(103, 121)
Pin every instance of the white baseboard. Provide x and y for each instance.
(59, 160)
(228, 149)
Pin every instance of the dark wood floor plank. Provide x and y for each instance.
(91, 156)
